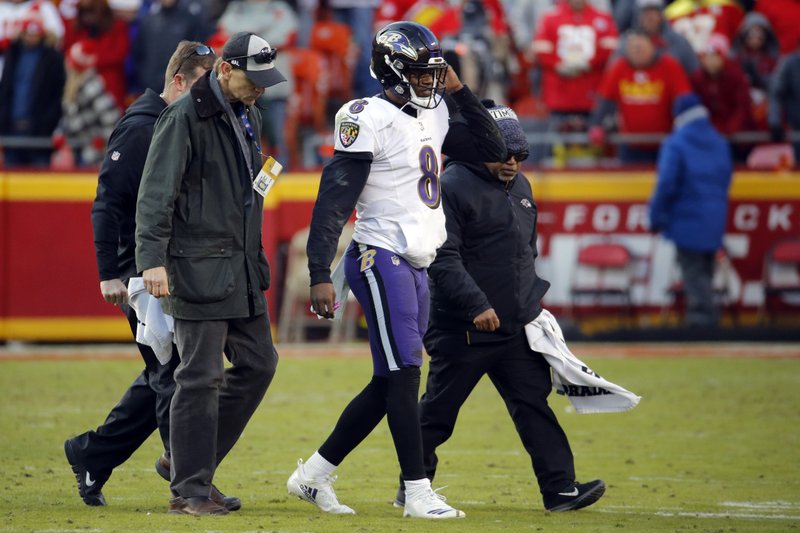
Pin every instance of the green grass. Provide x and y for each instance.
(714, 446)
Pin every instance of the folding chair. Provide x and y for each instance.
(771, 157)
(602, 279)
(334, 41)
(295, 314)
(781, 277)
(305, 108)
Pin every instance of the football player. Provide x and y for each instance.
(386, 166)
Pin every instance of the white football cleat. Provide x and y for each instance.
(429, 504)
(317, 491)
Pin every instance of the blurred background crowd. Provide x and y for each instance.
(593, 81)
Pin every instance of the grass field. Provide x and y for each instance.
(714, 446)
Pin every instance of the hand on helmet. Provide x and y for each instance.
(451, 81)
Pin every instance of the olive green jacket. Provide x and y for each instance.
(197, 213)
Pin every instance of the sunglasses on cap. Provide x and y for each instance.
(266, 55)
(519, 157)
(201, 50)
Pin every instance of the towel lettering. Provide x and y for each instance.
(582, 390)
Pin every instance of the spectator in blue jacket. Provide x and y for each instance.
(690, 202)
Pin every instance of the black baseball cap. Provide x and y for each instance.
(252, 54)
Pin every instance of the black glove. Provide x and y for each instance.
(776, 134)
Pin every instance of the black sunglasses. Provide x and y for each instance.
(266, 55)
(519, 157)
(201, 50)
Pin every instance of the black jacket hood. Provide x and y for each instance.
(149, 104)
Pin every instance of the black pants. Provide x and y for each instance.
(143, 408)
(522, 377)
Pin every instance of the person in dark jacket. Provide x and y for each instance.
(145, 405)
(757, 50)
(484, 290)
(198, 245)
(30, 92)
(784, 95)
(167, 23)
(690, 202)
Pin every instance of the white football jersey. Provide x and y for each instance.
(400, 208)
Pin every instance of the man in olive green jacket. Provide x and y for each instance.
(198, 246)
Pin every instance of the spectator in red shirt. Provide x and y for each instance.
(784, 15)
(642, 86)
(722, 87)
(95, 39)
(572, 45)
(650, 18)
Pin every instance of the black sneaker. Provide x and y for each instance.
(231, 503)
(575, 496)
(90, 485)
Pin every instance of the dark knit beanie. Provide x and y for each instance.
(509, 126)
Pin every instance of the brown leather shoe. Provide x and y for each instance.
(195, 506)
(231, 503)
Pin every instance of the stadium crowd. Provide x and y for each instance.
(592, 80)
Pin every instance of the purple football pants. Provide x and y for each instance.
(395, 299)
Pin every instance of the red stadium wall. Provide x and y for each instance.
(48, 276)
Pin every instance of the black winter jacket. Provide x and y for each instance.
(488, 259)
(114, 208)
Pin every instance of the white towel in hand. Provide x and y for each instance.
(586, 390)
(154, 328)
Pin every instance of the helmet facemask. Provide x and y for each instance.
(422, 85)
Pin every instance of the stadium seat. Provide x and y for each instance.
(334, 41)
(602, 280)
(305, 112)
(295, 315)
(771, 157)
(781, 277)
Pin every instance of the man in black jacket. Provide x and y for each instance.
(145, 405)
(484, 290)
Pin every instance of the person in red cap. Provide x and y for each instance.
(30, 92)
(198, 245)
